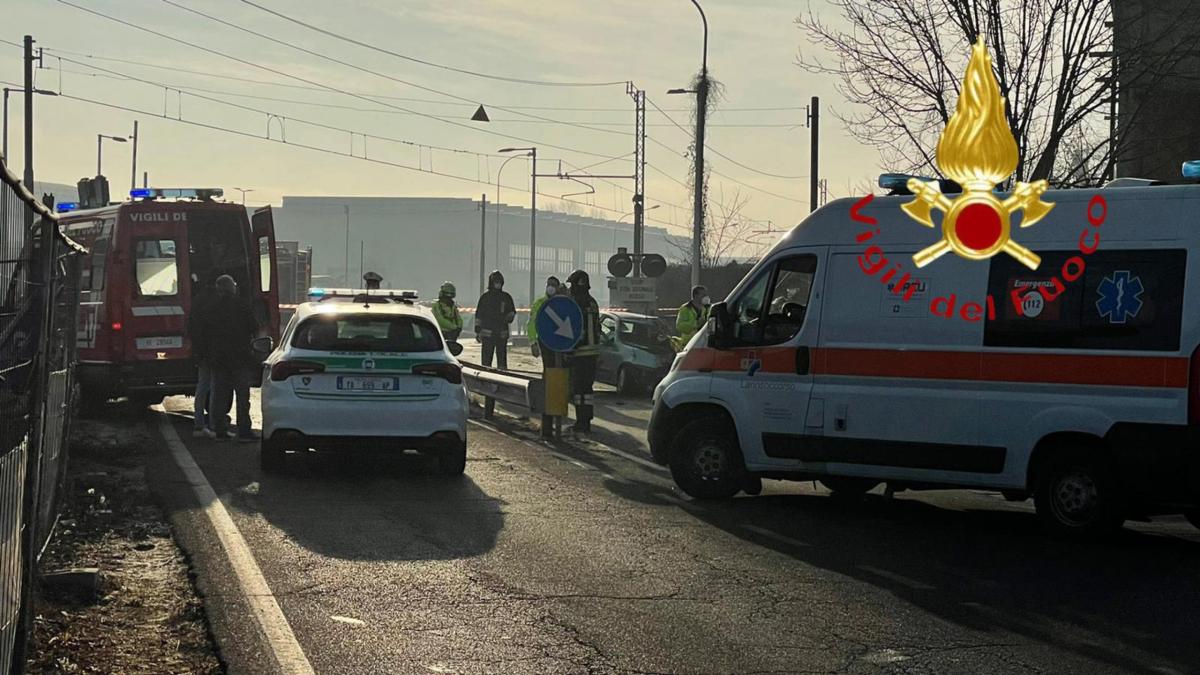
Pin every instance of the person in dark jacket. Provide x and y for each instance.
(229, 327)
(201, 414)
(586, 352)
(493, 314)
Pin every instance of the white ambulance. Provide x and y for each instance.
(1076, 383)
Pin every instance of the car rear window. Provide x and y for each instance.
(367, 333)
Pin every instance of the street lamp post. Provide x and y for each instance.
(244, 191)
(10, 90)
(701, 92)
(496, 234)
(532, 154)
(100, 148)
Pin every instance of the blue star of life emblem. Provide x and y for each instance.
(1120, 296)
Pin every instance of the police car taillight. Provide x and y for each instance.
(450, 372)
(282, 370)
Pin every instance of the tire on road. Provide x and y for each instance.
(705, 460)
(271, 455)
(849, 486)
(1076, 496)
(453, 462)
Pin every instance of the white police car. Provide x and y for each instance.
(364, 370)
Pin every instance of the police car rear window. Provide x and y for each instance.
(367, 333)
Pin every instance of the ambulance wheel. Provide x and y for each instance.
(1193, 517)
(271, 455)
(706, 462)
(848, 486)
(453, 462)
(1076, 497)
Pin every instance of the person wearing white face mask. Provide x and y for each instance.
(493, 313)
(553, 288)
(692, 315)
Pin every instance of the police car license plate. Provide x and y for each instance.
(346, 383)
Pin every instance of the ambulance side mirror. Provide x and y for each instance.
(455, 348)
(720, 328)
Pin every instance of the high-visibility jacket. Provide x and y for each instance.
(689, 321)
(531, 327)
(447, 316)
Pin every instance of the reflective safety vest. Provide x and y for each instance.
(689, 321)
(447, 316)
(531, 327)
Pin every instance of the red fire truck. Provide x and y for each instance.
(148, 259)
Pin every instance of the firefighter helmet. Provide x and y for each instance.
(579, 278)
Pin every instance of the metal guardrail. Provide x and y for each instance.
(39, 274)
(522, 390)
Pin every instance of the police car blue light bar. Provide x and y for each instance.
(65, 207)
(1191, 169)
(318, 294)
(176, 193)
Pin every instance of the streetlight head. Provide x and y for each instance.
(45, 92)
(681, 91)
(118, 139)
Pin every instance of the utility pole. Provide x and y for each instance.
(814, 121)
(346, 273)
(482, 241)
(28, 178)
(133, 173)
(639, 176)
(532, 225)
(698, 207)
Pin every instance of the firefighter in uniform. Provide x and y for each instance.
(493, 313)
(691, 317)
(587, 350)
(446, 313)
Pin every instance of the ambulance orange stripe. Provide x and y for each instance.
(1094, 369)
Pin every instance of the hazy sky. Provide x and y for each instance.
(656, 44)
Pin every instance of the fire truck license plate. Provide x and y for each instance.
(172, 342)
(368, 383)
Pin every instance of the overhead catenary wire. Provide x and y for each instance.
(413, 59)
(719, 153)
(234, 78)
(305, 146)
(327, 87)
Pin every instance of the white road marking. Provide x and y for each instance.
(280, 638)
(348, 619)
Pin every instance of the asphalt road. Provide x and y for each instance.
(573, 559)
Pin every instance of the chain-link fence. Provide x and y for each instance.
(39, 272)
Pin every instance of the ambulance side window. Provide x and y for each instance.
(772, 310)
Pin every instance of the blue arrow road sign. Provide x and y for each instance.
(559, 323)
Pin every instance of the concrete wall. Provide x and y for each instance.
(417, 242)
